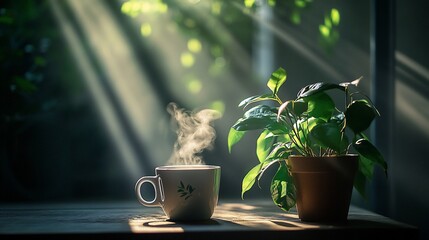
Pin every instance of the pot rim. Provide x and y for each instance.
(323, 164)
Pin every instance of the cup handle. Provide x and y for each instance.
(154, 181)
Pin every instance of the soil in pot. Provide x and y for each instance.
(324, 186)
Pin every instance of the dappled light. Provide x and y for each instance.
(134, 7)
(227, 216)
(194, 85)
(187, 59)
(194, 45)
(146, 29)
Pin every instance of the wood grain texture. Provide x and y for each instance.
(231, 220)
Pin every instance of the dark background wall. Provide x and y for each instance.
(409, 196)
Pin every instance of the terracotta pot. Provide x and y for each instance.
(324, 186)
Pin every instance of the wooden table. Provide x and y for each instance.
(232, 220)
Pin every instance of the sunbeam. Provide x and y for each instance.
(126, 81)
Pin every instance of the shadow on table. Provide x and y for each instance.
(157, 224)
(170, 223)
(287, 224)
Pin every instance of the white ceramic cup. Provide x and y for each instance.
(184, 192)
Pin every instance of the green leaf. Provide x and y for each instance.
(252, 123)
(317, 88)
(284, 106)
(359, 115)
(370, 152)
(337, 118)
(234, 137)
(366, 167)
(295, 107)
(320, 105)
(260, 111)
(270, 162)
(311, 123)
(263, 145)
(360, 183)
(260, 117)
(256, 98)
(277, 128)
(250, 178)
(298, 107)
(278, 77)
(282, 189)
(328, 135)
(281, 150)
(335, 16)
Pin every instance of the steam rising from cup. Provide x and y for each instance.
(195, 133)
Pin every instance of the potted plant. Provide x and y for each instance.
(319, 146)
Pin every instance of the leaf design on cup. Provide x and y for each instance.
(185, 192)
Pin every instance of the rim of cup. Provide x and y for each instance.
(188, 167)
